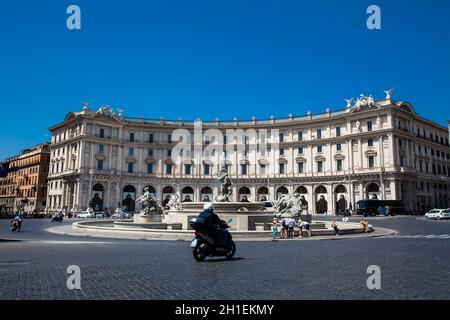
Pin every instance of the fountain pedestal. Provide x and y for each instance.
(244, 215)
(149, 218)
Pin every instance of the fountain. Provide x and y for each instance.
(244, 215)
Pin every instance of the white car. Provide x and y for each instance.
(86, 214)
(438, 214)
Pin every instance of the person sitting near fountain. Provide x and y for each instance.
(187, 199)
(213, 224)
(244, 199)
(335, 227)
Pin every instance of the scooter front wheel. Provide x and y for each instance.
(199, 252)
(231, 250)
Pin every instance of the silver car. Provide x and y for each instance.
(438, 214)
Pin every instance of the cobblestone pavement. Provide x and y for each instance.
(411, 268)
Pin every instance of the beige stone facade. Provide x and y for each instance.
(384, 147)
(25, 184)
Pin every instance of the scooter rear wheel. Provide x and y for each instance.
(231, 251)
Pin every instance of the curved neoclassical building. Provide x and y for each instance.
(371, 148)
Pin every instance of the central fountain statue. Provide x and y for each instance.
(226, 184)
(149, 204)
(151, 211)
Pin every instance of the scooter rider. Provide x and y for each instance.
(213, 223)
(17, 219)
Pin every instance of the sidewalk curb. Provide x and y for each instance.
(187, 236)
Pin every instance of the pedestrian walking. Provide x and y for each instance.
(291, 225)
(283, 228)
(274, 228)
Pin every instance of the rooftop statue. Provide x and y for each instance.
(349, 102)
(364, 101)
(388, 93)
(149, 204)
(105, 111)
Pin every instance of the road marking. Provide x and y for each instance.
(418, 236)
(69, 242)
(14, 263)
(443, 236)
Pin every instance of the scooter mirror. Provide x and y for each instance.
(229, 220)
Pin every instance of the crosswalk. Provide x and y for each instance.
(418, 236)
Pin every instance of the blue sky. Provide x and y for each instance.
(220, 58)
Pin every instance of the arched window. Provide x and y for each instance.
(187, 194)
(128, 198)
(263, 194)
(167, 192)
(372, 191)
(206, 194)
(321, 189)
(97, 197)
(340, 189)
(281, 190)
(244, 194)
(301, 190)
(151, 189)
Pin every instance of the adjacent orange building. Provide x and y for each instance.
(24, 185)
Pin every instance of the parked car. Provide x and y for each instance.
(118, 215)
(39, 215)
(86, 214)
(122, 215)
(438, 214)
(100, 215)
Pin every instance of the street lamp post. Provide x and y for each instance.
(381, 184)
(268, 182)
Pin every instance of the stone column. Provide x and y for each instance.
(235, 194)
(118, 199)
(158, 195)
(75, 194)
(215, 192)
(81, 155)
(254, 196)
(381, 161)
(408, 157)
(331, 161)
(397, 152)
(394, 190)
(361, 163)
(197, 196)
(110, 166)
(78, 193)
(311, 160)
(332, 200)
(107, 196)
(362, 192)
